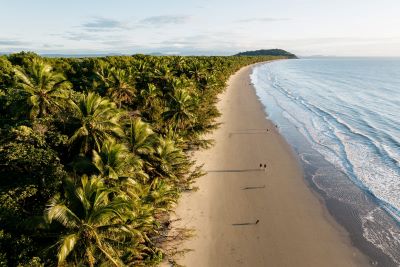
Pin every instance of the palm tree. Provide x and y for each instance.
(118, 85)
(161, 195)
(45, 90)
(115, 163)
(169, 160)
(98, 121)
(122, 89)
(148, 95)
(181, 109)
(112, 161)
(94, 224)
(179, 63)
(163, 74)
(196, 70)
(151, 103)
(141, 137)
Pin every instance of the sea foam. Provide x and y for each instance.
(348, 116)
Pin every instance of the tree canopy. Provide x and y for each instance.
(94, 153)
(268, 52)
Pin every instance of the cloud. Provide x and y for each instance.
(12, 42)
(107, 39)
(80, 36)
(203, 43)
(265, 19)
(221, 39)
(334, 41)
(97, 29)
(103, 24)
(52, 45)
(119, 42)
(163, 20)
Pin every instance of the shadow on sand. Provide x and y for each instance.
(242, 170)
(244, 224)
(249, 131)
(253, 187)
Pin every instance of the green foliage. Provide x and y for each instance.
(44, 91)
(141, 137)
(31, 173)
(114, 160)
(117, 84)
(94, 153)
(22, 58)
(95, 224)
(97, 121)
(268, 52)
(6, 73)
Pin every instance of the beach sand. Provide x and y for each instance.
(293, 229)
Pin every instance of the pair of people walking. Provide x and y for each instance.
(263, 166)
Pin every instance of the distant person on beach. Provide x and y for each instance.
(261, 165)
(265, 167)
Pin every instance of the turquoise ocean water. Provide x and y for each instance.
(342, 116)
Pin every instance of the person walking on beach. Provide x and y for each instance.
(265, 167)
(261, 165)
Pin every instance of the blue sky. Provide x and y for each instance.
(305, 27)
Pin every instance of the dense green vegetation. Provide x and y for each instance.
(268, 52)
(94, 153)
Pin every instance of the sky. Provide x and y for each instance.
(202, 27)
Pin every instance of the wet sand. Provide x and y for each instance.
(244, 215)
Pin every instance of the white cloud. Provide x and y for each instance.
(164, 20)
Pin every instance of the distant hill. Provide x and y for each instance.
(268, 52)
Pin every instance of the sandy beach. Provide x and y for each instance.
(244, 215)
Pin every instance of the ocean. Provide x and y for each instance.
(342, 118)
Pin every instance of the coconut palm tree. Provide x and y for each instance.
(118, 85)
(116, 164)
(151, 103)
(161, 195)
(121, 89)
(179, 63)
(196, 70)
(93, 224)
(169, 160)
(181, 109)
(98, 120)
(44, 89)
(141, 137)
(112, 161)
(148, 95)
(163, 74)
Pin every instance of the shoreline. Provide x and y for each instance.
(356, 210)
(244, 216)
